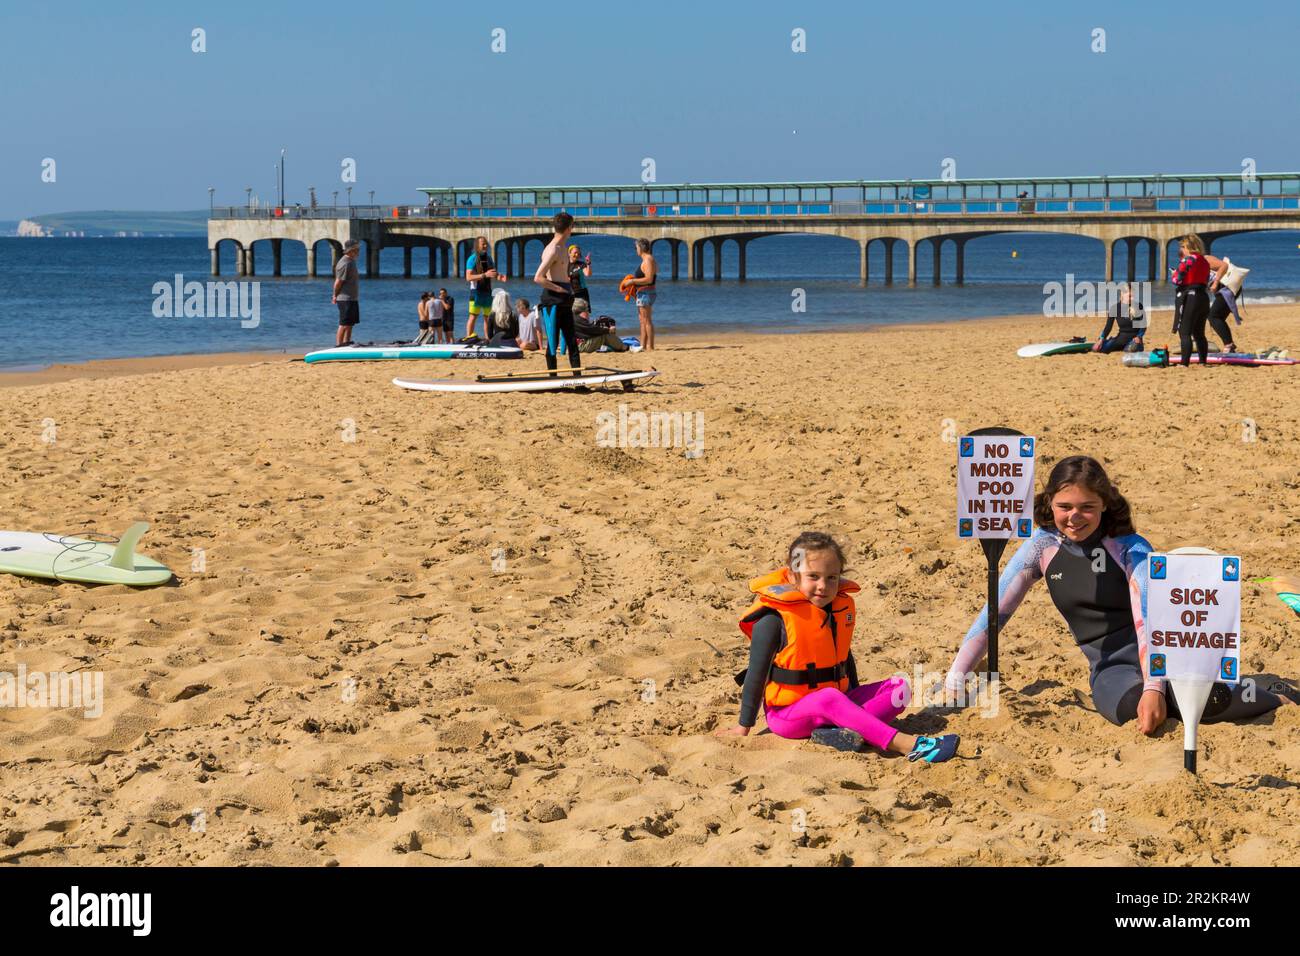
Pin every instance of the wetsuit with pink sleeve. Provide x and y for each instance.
(1100, 588)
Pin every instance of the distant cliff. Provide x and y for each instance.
(116, 223)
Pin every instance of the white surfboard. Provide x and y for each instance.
(1053, 348)
(69, 558)
(532, 382)
(379, 353)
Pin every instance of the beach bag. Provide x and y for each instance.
(1234, 277)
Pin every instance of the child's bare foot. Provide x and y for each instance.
(736, 731)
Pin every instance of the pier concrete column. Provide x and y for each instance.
(717, 260)
(961, 261)
(693, 258)
(1132, 257)
(864, 272)
(889, 261)
(250, 260)
(335, 254)
(911, 262)
(406, 262)
(216, 262)
(444, 255)
(1164, 259)
(938, 246)
(372, 260)
(674, 245)
(460, 268)
(1152, 246)
(1110, 260)
(433, 261)
(311, 260)
(741, 244)
(275, 256)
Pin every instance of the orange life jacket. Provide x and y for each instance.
(815, 655)
(628, 287)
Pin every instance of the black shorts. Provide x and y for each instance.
(448, 322)
(349, 312)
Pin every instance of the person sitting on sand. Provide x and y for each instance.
(1095, 563)
(592, 335)
(502, 316)
(1129, 315)
(801, 665)
(530, 328)
(502, 324)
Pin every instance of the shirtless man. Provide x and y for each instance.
(556, 303)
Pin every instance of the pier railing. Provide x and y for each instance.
(741, 210)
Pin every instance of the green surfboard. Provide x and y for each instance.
(70, 558)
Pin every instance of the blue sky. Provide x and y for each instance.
(711, 91)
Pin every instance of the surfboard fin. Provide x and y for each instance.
(122, 554)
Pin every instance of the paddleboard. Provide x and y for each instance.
(86, 561)
(532, 382)
(1053, 348)
(370, 352)
(1143, 359)
(1287, 588)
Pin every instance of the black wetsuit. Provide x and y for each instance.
(1123, 316)
(1094, 593)
(556, 311)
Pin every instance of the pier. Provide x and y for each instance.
(894, 219)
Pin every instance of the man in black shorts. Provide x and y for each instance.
(448, 315)
(347, 292)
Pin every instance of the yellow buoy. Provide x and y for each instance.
(1014, 253)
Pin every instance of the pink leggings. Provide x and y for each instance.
(865, 709)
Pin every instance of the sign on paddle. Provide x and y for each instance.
(995, 486)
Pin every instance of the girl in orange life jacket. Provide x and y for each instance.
(801, 664)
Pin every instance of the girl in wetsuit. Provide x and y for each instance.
(1191, 301)
(1096, 568)
(801, 665)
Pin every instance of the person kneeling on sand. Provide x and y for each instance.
(801, 665)
(1095, 563)
(592, 335)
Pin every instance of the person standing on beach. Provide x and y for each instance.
(1191, 301)
(579, 273)
(347, 292)
(422, 310)
(1224, 300)
(435, 309)
(556, 302)
(448, 316)
(480, 270)
(644, 282)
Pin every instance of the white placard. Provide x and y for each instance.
(995, 486)
(1194, 617)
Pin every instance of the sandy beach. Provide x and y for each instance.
(425, 629)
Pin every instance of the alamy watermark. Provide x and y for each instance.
(630, 429)
(1070, 298)
(83, 690)
(209, 300)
